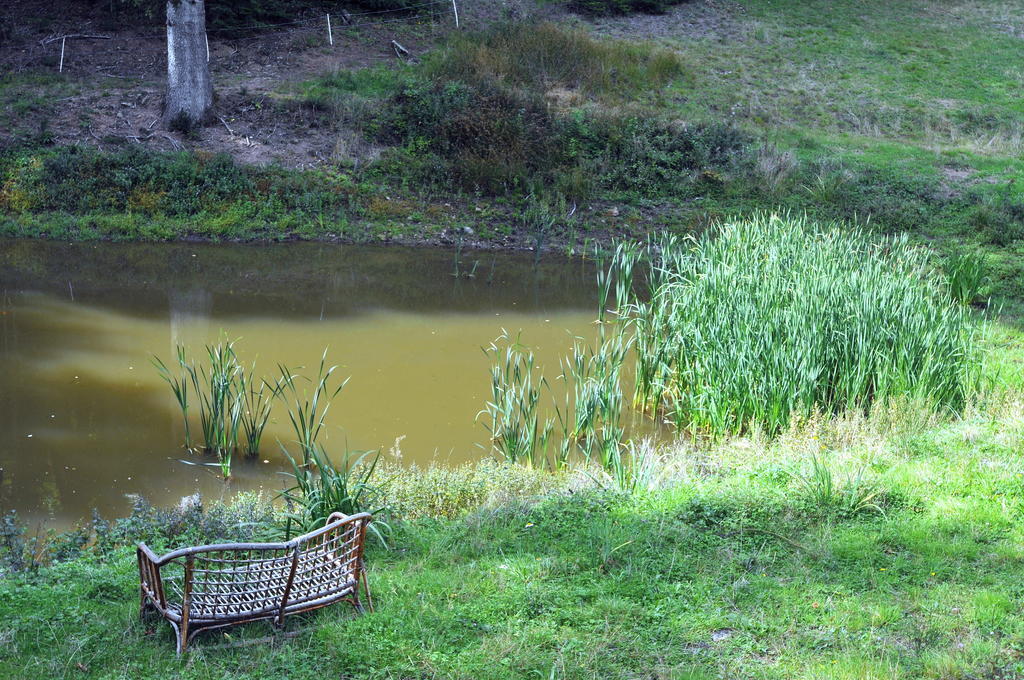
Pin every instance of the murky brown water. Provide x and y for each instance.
(85, 419)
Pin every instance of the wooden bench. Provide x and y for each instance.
(213, 586)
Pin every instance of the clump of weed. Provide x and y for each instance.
(967, 276)
(824, 493)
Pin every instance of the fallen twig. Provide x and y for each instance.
(257, 641)
(786, 539)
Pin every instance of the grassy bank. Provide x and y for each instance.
(738, 562)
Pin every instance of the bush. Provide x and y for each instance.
(494, 138)
(650, 156)
(78, 179)
(773, 317)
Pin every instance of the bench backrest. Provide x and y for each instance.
(233, 580)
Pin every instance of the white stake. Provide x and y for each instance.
(207, 39)
(330, 36)
(455, 8)
(60, 69)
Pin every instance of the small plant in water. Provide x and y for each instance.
(307, 411)
(513, 417)
(319, 487)
(234, 405)
(588, 411)
(179, 383)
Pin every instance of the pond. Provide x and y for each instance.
(86, 421)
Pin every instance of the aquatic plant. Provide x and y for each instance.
(513, 418)
(307, 412)
(219, 405)
(760, 321)
(257, 399)
(587, 408)
(319, 487)
(232, 402)
(179, 386)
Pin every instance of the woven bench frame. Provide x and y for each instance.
(213, 586)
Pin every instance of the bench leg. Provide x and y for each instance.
(369, 595)
(182, 636)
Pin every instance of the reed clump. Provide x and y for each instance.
(579, 415)
(233, 403)
(774, 316)
(319, 486)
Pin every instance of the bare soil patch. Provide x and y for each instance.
(116, 82)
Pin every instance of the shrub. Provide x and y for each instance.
(772, 317)
(650, 156)
(78, 179)
(495, 138)
(246, 517)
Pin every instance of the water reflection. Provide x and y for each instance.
(85, 419)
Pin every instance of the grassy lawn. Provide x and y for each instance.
(740, 567)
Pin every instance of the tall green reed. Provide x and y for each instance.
(513, 414)
(307, 410)
(966, 276)
(178, 383)
(586, 400)
(772, 316)
(257, 397)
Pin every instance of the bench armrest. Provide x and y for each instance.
(149, 576)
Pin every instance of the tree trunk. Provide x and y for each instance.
(189, 89)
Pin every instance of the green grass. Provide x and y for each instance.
(727, 570)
